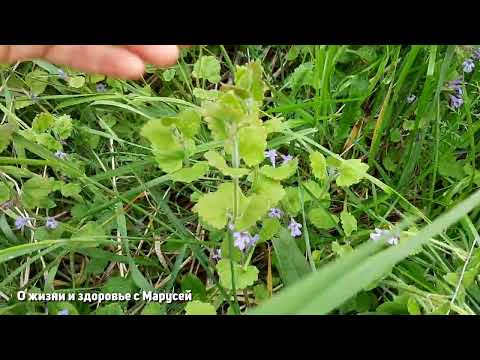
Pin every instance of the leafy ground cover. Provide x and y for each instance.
(261, 179)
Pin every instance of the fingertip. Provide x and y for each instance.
(159, 55)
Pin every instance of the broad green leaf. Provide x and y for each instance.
(301, 76)
(319, 165)
(35, 192)
(76, 82)
(341, 250)
(217, 161)
(351, 172)
(252, 144)
(269, 188)
(187, 121)
(207, 67)
(42, 122)
(270, 228)
(291, 201)
(70, 190)
(188, 175)
(37, 80)
(292, 264)
(413, 307)
(322, 219)
(6, 132)
(168, 151)
(228, 109)
(169, 74)
(274, 125)
(205, 94)
(195, 285)
(243, 277)
(196, 307)
(95, 78)
(256, 208)
(282, 172)
(249, 77)
(214, 207)
(63, 127)
(48, 141)
(349, 223)
(91, 231)
(395, 135)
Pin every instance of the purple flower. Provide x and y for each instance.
(241, 240)
(62, 75)
(286, 158)
(455, 101)
(244, 241)
(275, 213)
(391, 239)
(63, 312)
(411, 98)
(51, 223)
(272, 155)
(294, 228)
(21, 222)
(101, 88)
(252, 241)
(217, 254)
(476, 54)
(61, 155)
(468, 66)
(377, 234)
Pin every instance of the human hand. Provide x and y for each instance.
(126, 61)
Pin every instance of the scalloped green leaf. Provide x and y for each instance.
(76, 82)
(349, 223)
(207, 67)
(250, 78)
(322, 219)
(35, 192)
(167, 149)
(270, 228)
(269, 188)
(252, 144)
(291, 201)
(282, 172)
(63, 127)
(319, 165)
(188, 175)
(351, 172)
(243, 277)
(37, 81)
(4, 193)
(256, 208)
(42, 122)
(217, 161)
(214, 208)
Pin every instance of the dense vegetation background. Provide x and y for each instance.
(263, 179)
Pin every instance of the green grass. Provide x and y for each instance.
(126, 227)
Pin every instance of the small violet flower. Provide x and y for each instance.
(217, 254)
(61, 155)
(455, 101)
(21, 222)
(272, 155)
(476, 54)
(391, 239)
(275, 213)
(468, 66)
(62, 74)
(244, 241)
(286, 158)
(51, 223)
(63, 312)
(411, 98)
(101, 88)
(294, 228)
